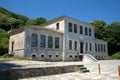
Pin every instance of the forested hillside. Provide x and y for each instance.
(10, 20)
(109, 33)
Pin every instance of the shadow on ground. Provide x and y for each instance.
(8, 66)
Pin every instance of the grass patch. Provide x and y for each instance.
(116, 55)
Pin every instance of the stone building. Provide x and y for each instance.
(61, 39)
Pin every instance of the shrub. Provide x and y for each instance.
(116, 55)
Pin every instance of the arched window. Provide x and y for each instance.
(57, 26)
(50, 42)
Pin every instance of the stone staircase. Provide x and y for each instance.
(83, 69)
(89, 58)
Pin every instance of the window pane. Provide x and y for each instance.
(81, 30)
(75, 45)
(96, 47)
(89, 32)
(34, 40)
(90, 46)
(50, 41)
(86, 32)
(56, 42)
(99, 47)
(57, 26)
(70, 27)
(75, 28)
(42, 41)
(70, 44)
(86, 46)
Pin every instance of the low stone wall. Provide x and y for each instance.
(14, 74)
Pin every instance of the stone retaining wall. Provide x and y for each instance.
(14, 74)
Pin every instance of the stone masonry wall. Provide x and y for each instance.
(14, 74)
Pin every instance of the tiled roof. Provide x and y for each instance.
(16, 31)
(53, 21)
(19, 30)
(61, 18)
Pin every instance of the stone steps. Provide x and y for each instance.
(84, 69)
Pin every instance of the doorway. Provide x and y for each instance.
(12, 47)
(81, 47)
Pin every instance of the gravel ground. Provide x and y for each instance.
(109, 70)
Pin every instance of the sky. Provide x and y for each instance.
(84, 10)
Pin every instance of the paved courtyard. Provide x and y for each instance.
(109, 71)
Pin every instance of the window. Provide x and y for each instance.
(42, 55)
(81, 30)
(90, 46)
(86, 32)
(42, 41)
(75, 45)
(56, 42)
(50, 55)
(89, 32)
(104, 48)
(96, 47)
(33, 56)
(70, 44)
(50, 41)
(76, 56)
(86, 46)
(75, 28)
(57, 26)
(99, 47)
(70, 27)
(70, 55)
(57, 56)
(34, 40)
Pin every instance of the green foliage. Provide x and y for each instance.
(30, 22)
(10, 20)
(116, 55)
(109, 33)
(4, 42)
(40, 20)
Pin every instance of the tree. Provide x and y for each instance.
(99, 28)
(40, 20)
(29, 22)
(109, 33)
(4, 42)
